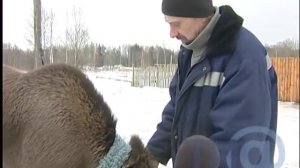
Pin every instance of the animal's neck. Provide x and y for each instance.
(117, 154)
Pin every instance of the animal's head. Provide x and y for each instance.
(139, 156)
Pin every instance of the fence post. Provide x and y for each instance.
(132, 83)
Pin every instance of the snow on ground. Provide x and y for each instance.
(138, 111)
(288, 131)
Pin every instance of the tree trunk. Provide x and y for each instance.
(51, 33)
(75, 57)
(38, 51)
(95, 52)
(66, 56)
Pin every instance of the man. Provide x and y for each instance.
(225, 87)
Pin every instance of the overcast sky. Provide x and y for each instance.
(117, 22)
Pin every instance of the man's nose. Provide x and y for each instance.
(173, 32)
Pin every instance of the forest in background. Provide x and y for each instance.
(97, 55)
(75, 47)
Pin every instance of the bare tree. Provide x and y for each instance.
(51, 36)
(286, 48)
(76, 35)
(37, 32)
(66, 41)
(29, 36)
(16, 57)
(44, 33)
(47, 34)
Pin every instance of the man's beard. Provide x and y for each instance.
(182, 38)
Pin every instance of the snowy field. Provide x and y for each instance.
(138, 111)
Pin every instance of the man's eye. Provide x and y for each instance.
(176, 25)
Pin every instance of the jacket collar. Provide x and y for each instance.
(224, 35)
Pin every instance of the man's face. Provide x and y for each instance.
(185, 29)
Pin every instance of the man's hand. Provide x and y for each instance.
(154, 163)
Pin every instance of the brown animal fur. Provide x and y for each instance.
(54, 117)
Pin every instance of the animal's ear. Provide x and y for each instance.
(137, 145)
(139, 156)
(137, 152)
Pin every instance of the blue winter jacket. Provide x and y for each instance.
(230, 96)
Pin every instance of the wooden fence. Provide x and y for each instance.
(157, 76)
(287, 69)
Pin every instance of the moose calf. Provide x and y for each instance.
(53, 117)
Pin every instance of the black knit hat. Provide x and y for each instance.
(188, 8)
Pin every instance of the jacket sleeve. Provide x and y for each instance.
(242, 116)
(159, 144)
